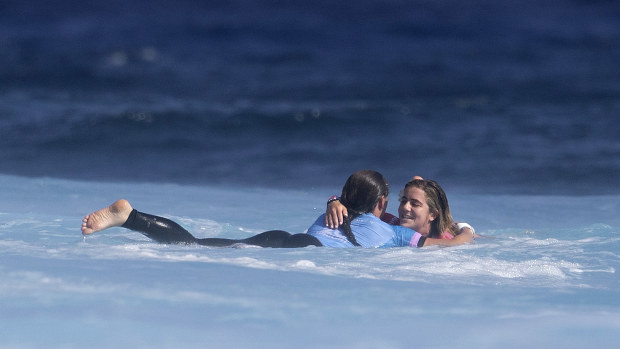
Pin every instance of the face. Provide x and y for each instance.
(414, 212)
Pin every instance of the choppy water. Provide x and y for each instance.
(234, 117)
(485, 97)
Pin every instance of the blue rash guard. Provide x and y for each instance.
(369, 231)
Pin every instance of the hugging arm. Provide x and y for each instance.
(466, 236)
(335, 213)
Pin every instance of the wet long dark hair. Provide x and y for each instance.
(360, 195)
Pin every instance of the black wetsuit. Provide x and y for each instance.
(166, 231)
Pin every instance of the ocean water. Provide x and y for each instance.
(544, 275)
(235, 117)
(485, 97)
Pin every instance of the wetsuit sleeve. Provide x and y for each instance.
(407, 237)
(390, 219)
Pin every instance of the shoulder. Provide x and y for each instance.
(390, 219)
(403, 232)
(328, 237)
(318, 224)
(403, 236)
(369, 220)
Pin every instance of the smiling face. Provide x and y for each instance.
(414, 211)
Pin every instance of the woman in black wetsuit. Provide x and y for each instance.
(164, 230)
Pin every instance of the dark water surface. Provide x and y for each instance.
(484, 96)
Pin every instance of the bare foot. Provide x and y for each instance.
(112, 216)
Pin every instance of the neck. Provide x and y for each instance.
(425, 232)
(377, 212)
(380, 207)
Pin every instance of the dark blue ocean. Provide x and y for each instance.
(484, 96)
(239, 116)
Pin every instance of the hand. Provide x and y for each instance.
(335, 214)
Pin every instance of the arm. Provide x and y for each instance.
(465, 237)
(335, 213)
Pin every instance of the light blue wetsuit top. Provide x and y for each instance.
(369, 231)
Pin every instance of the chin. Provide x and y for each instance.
(407, 223)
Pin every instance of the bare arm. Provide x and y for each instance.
(466, 236)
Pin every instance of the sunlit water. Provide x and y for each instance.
(266, 109)
(544, 275)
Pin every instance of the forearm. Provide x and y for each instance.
(465, 237)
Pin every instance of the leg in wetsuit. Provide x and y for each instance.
(169, 232)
